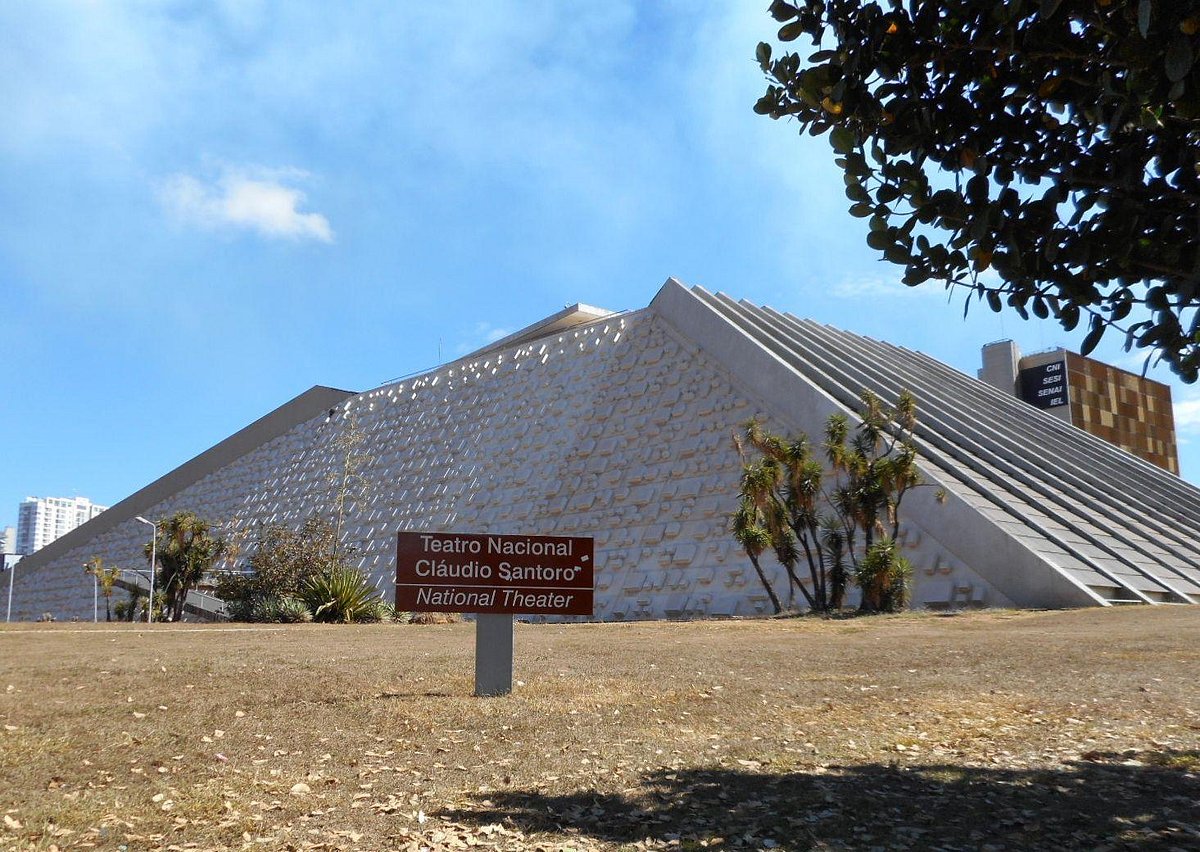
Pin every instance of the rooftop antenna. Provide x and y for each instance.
(439, 350)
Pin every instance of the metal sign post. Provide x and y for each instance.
(494, 577)
(493, 654)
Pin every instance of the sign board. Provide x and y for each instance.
(1045, 385)
(494, 574)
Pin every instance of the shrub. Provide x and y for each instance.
(385, 611)
(134, 609)
(883, 576)
(434, 618)
(282, 562)
(281, 610)
(342, 595)
(240, 608)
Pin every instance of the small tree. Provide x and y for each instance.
(300, 575)
(282, 562)
(186, 551)
(834, 521)
(106, 578)
(754, 539)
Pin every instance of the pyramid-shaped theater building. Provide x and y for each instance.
(619, 426)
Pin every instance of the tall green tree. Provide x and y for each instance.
(839, 519)
(186, 550)
(1054, 142)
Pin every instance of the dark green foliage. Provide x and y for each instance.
(134, 609)
(186, 551)
(282, 561)
(281, 610)
(385, 611)
(342, 595)
(1053, 141)
(124, 610)
(300, 575)
(883, 575)
(832, 523)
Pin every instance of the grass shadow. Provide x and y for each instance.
(1106, 801)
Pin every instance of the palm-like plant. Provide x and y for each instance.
(833, 520)
(186, 550)
(107, 580)
(754, 539)
(340, 595)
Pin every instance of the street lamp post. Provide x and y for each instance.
(153, 555)
(12, 570)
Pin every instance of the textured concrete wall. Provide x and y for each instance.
(620, 430)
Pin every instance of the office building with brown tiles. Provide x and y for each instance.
(1123, 408)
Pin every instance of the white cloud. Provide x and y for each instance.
(483, 334)
(882, 287)
(258, 202)
(491, 335)
(1187, 415)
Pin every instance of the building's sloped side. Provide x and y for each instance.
(52, 580)
(1101, 519)
(950, 542)
(618, 430)
(621, 427)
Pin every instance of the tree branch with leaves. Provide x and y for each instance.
(1054, 143)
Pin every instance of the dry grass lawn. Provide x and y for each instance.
(990, 730)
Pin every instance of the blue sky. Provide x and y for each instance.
(209, 207)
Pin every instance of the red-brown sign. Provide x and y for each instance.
(503, 574)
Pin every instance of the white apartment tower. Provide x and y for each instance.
(43, 519)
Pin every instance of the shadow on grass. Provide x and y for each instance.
(1107, 801)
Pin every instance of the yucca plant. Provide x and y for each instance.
(341, 595)
(280, 609)
(883, 575)
(385, 611)
(290, 610)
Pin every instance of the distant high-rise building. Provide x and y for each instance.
(43, 519)
(1123, 408)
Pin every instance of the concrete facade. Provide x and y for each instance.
(619, 426)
